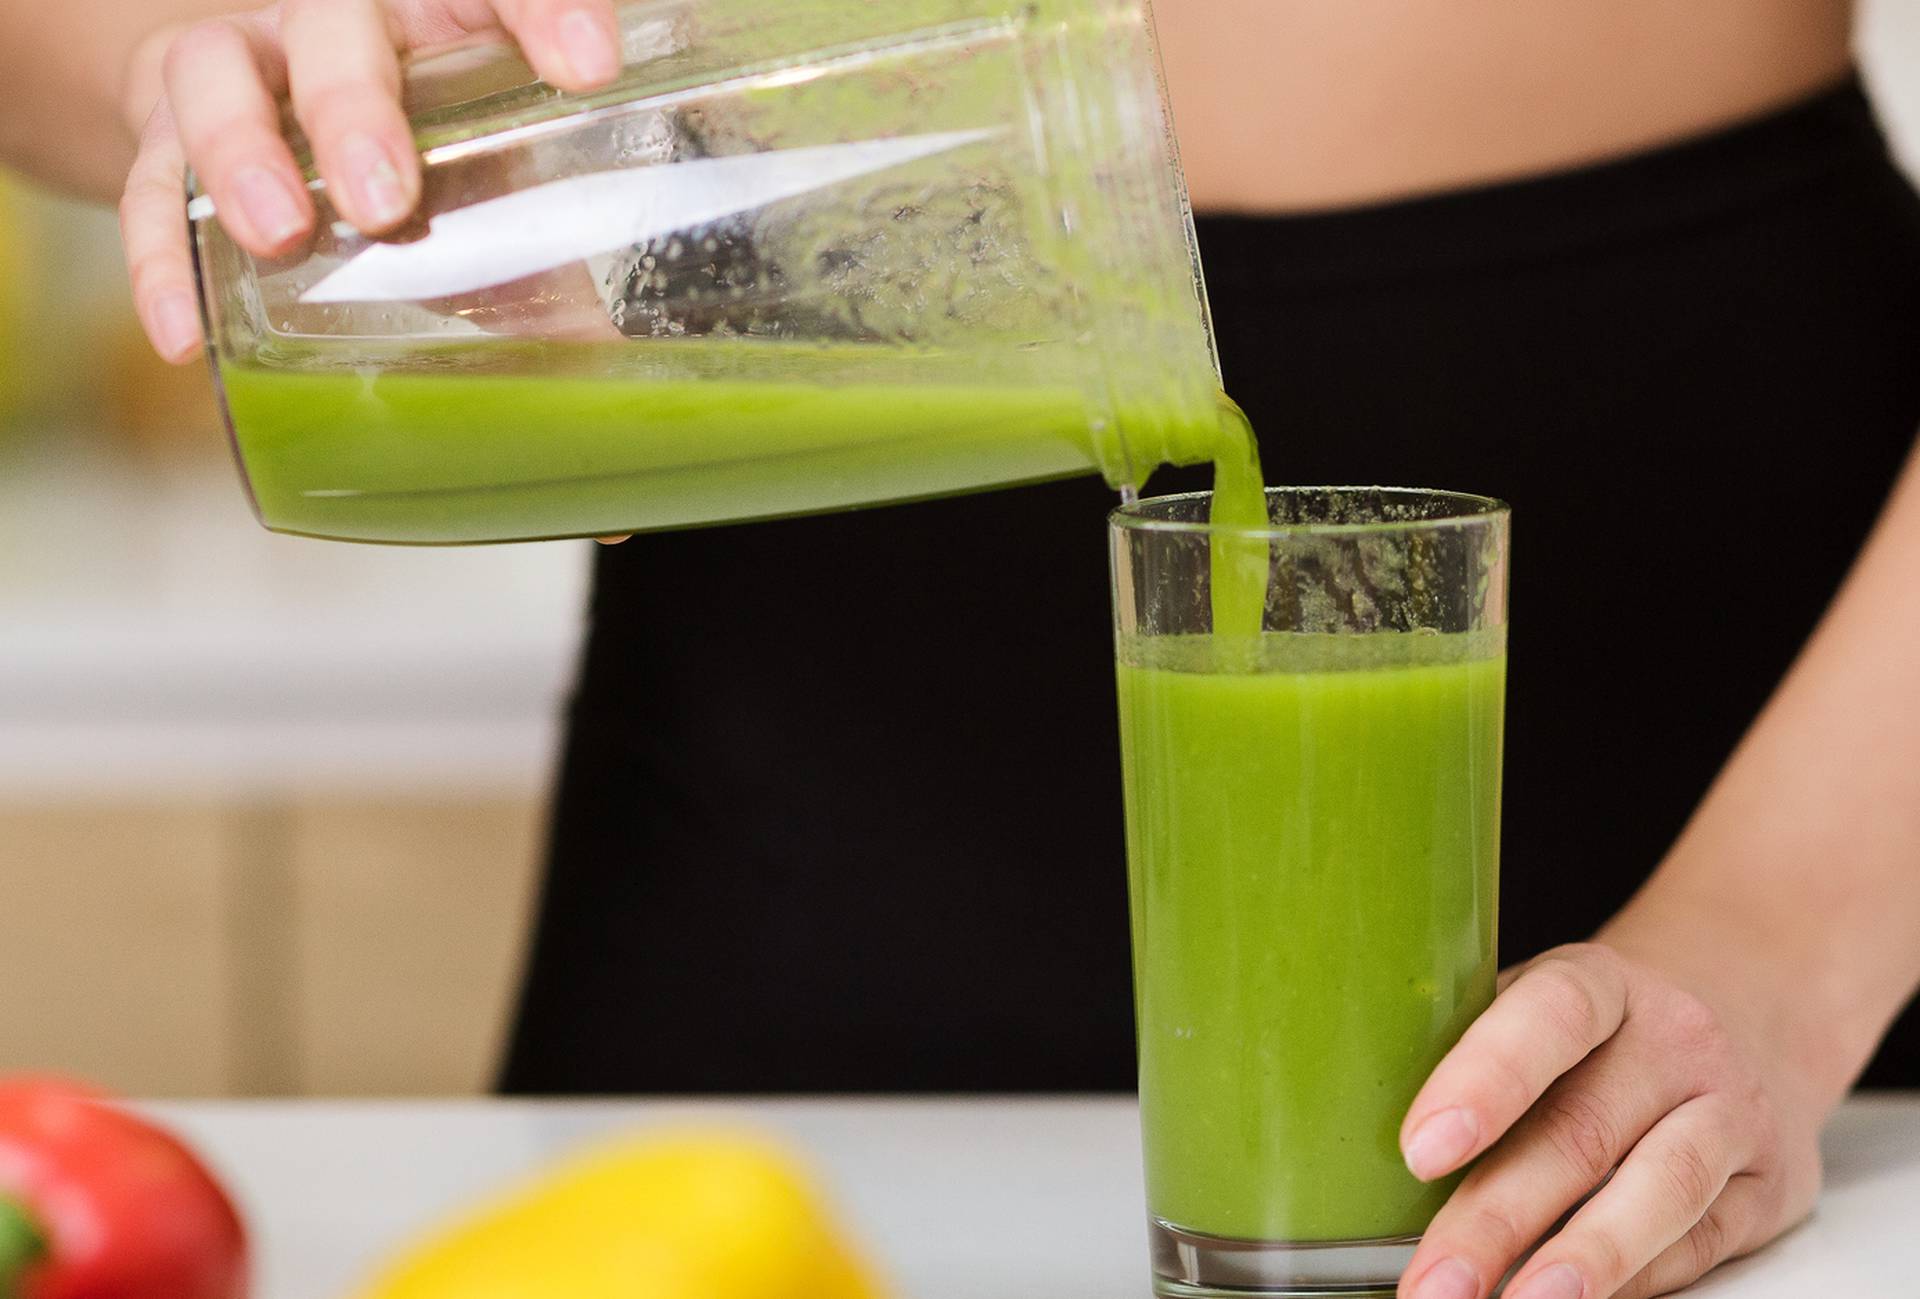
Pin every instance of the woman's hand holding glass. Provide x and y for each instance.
(1595, 1074)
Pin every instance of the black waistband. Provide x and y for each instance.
(1695, 181)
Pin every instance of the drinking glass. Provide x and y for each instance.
(801, 256)
(1313, 835)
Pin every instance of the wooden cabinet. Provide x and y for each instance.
(343, 946)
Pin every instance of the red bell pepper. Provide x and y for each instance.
(96, 1203)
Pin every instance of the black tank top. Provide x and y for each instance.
(840, 808)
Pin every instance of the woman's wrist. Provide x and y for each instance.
(1754, 969)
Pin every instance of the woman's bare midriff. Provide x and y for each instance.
(1299, 105)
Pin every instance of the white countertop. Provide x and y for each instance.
(960, 1199)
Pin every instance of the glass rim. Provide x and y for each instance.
(1132, 516)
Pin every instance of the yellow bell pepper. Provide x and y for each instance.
(691, 1216)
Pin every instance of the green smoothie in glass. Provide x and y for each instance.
(1311, 711)
(1313, 844)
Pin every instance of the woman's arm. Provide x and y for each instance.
(1803, 862)
(1694, 1050)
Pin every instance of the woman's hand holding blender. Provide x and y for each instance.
(208, 94)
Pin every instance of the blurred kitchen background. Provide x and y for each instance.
(271, 809)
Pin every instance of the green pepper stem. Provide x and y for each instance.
(21, 1246)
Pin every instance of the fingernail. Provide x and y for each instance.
(270, 206)
(376, 181)
(1440, 1143)
(174, 320)
(1448, 1279)
(1560, 1281)
(588, 49)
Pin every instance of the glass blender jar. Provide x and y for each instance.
(800, 257)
